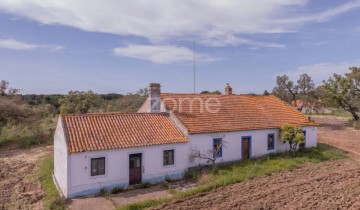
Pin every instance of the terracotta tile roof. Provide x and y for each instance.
(90, 132)
(236, 112)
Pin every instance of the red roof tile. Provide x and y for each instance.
(90, 132)
(236, 112)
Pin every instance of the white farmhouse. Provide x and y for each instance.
(94, 151)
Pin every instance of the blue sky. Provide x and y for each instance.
(121, 46)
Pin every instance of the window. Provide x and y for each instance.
(168, 157)
(217, 148)
(271, 141)
(97, 166)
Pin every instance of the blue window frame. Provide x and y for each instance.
(217, 147)
(271, 141)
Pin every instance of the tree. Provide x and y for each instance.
(285, 89)
(211, 156)
(342, 91)
(266, 93)
(208, 92)
(79, 102)
(129, 103)
(142, 92)
(5, 90)
(293, 135)
(289, 92)
(354, 76)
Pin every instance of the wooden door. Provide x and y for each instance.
(245, 148)
(135, 168)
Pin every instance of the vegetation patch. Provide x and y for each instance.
(41, 132)
(142, 185)
(245, 170)
(117, 189)
(354, 124)
(52, 199)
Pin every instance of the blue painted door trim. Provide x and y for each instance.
(250, 145)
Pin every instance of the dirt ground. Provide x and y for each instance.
(334, 184)
(18, 186)
(329, 185)
(332, 131)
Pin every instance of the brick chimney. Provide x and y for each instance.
(154, 95)
(228, 89)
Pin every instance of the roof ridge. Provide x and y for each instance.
(113, 114)
(221, 95)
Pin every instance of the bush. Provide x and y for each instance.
(142, 185)
(104, 192)
(354, 124)
(117, 189)
(191, 175)
(25, 136)
(59, 204)
(169, 179)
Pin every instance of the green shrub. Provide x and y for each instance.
(191, 175)
(104, 192)
(142, 185)
(39, 132)
(117, 189)
(169, 179)
(59, 204)
(354, 124)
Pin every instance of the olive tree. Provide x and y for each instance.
(343, 91)
(293, 135)
(289, 91)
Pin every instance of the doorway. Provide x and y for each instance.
(135, 168)
(245, 147)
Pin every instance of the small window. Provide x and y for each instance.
(217, 147)
(271, 141)
(168, 157)
(97, 166)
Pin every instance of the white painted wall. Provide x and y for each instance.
(60, 158)
(232, 148)
(80, 182)
(117, 167)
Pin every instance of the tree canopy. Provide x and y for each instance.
(303, 89)
(6, 90)
(293, 135)
(79, 102)
(209, 92)
(343, 91)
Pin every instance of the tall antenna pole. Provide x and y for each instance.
(194, 68)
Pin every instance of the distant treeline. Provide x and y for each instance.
(54, 99)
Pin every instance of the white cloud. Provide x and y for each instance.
(321, 71)
(234, 40)
(325, 15)
(18, 45)
(163, 20)
(163, 54)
